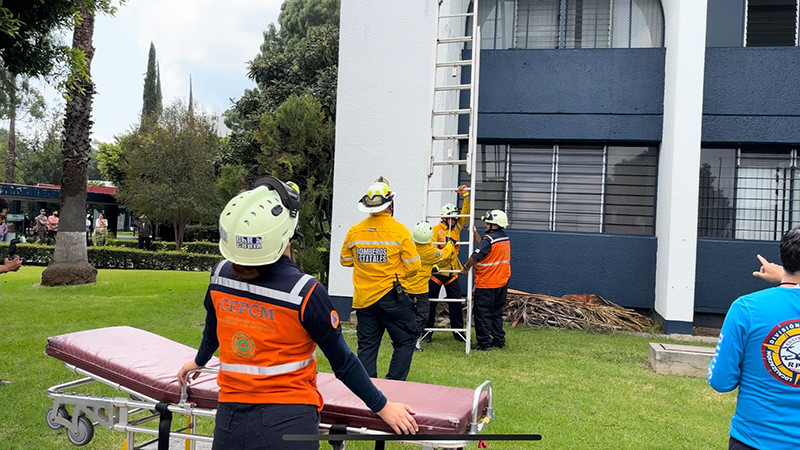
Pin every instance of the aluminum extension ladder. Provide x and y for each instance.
(452, 37)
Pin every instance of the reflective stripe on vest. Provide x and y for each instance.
(266, 370)
(292, 297)
(507, 261)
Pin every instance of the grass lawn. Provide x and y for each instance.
(578, 390)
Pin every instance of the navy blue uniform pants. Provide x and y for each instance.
(246, 426)
(393, 314)
(488, 309)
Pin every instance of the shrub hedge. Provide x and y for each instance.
(110, 257)
(203, 248)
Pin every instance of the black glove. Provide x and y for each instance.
(450, 239)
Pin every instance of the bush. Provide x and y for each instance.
(194, 233)
(110, 257)
(203, 248)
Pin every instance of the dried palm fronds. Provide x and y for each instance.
(573, 311)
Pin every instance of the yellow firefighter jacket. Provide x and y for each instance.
(429, 255)
(441, 232)
(380, 250)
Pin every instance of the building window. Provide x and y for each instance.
(748, 193)
(578, 188)
(771, 23)
(554, 24)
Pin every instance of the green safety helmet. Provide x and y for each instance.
(379, 196)
(422, 233)
(448, 210)
(255, 227)
(496, 217)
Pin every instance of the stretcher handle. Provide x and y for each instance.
(475, 427)
(189, 377)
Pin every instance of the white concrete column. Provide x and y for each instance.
(382, 113)
(679, 162)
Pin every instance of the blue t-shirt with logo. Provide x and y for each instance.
(759, 351)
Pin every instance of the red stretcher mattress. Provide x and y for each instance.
(147, 363)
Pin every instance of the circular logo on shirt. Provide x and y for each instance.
(781, 352)
(243, 345)
(334, 319)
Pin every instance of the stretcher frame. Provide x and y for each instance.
(128, 414)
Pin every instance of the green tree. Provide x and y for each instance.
(70, 264)
(29, 45)
(298, 17)
(151, 97)
(40, 160)
(297, 145)
(110, 160)
(17, 98)
(168, 172)
(232, 179)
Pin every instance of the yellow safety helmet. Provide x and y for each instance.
(255, 227)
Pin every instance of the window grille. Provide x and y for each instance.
(771, 23)
(591, 189)
(748, 193)
(543, 24)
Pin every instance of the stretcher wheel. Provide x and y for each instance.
(51, 420)
(84, 434)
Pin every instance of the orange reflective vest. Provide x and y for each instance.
(266, 356)
(494, 270)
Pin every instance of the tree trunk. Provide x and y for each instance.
(11, 155)
(70, 263)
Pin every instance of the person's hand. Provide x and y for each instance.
(399, 416)
(435, 268)
(450, 240)
(463, 190)
(769, 271)
(185, 369)
(13, 265)
(464, 271)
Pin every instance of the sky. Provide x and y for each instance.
(210, 40)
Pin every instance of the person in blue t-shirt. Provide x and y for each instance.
(759, 352)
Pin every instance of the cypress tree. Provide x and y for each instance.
(150, 97)
(191, 100)
(158, 87)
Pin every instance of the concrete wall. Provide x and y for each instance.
(752, 95)
(724, 271)
(594, 94)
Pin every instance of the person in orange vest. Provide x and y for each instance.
(430, 257)
(267, 318)
(492, 262)
(383, 257)
(449, 230)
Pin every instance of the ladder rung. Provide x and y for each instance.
(449, 216)
(455, 40)
(449, 189)
(450, 162)
(447, 137)
(454, 87)
(453, 16)
(461, 243)
(452, 112)
(463, 62)
(448, 300)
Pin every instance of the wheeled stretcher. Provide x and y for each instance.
(143, 365)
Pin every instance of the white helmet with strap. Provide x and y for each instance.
(379, 196)
(255, 227)
(422, 233)
(496, 217)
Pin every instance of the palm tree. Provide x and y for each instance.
(70, 263)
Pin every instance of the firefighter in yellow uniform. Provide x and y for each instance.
(430, 256)
(267, 318)
(492, 262)
(449, 229)
(383, 257)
